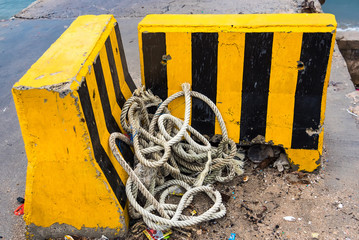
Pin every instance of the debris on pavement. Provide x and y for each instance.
(245, 179)
(20, 200)
(281, 163)
(232, 237)
(315, 235)
(353, 111)
(19, 210)
(259, 152)
(152, 234)
(289, 218)
(308, 7)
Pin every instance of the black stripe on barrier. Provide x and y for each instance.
(255, 88)
(204, 80)
(111, 123)
(308, 96)
(100, 155)
(128, 79)
(120, 99)
(153, 49)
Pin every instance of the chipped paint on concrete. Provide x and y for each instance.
(262, 73)
(68, 188)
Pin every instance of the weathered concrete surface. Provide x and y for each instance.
(348, 43)
(22, 42)
(140, 8)
(340, 131)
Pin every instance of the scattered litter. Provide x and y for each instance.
(315, 235)
(20, 210)
(354, 96)
(281, 163)
(194, 212)
(232, 237)
(68, 237)
(289, 218)
(339, 205)
(245, 179)
(20, 200)
(103, 237)
(152, 234)
(350, 112)
(199, 232)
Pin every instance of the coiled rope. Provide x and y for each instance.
(163, 149)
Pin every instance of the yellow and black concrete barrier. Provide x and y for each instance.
(68, 103)
(267, 73)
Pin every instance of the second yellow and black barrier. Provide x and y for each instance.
(267, 74)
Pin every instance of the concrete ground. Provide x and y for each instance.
(25, 38)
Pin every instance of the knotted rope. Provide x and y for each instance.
(163, 149)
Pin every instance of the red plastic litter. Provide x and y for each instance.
(20, 210)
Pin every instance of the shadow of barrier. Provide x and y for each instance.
(68, 103)
(267, 74)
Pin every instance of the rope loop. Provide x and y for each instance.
(164, 146)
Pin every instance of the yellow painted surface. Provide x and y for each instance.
(61, 166)
(116, 54)
(50, 68)
(64, 182)
(282, 86)
(229, 81)
(304, 159)
(179, 68)
(288, 30)
(239, 23)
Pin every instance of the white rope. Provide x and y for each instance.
(162, 143)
